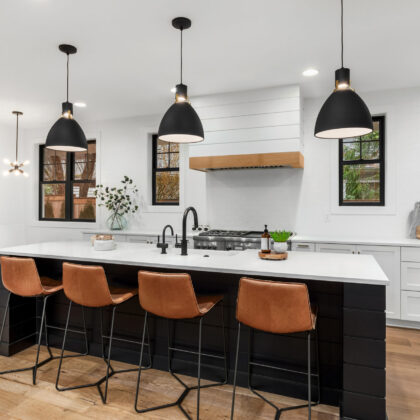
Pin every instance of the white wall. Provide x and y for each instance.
(302, 200)
(11, 207)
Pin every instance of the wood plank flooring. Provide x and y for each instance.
(20, 400)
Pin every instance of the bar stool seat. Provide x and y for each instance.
(50, 285)
(207, 302)
(87, 286)
(278, 308)
(121, 294)
(20, 277)
(172, 296)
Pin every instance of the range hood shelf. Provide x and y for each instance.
(248, 161)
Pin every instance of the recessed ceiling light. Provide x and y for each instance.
(173, 90)
(80, 104)
(310, 72)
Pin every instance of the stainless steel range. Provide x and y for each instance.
(226, 240)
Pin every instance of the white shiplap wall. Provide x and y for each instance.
(255, 121)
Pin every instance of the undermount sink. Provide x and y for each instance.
(198, 252)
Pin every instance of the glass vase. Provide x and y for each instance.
(116, 221)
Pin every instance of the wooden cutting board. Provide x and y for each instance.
(272, 256)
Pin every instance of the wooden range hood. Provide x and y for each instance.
(254, 160)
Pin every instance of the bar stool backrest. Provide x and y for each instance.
(169, 295)
(20, 276)
(273, 306)
(86, 285)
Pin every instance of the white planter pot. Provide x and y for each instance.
(279, 247)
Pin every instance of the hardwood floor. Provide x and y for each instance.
(20, 400)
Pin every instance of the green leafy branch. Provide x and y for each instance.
(280, 235)
(119, 201)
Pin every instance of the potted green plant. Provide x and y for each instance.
(280, 238)
(119, 201)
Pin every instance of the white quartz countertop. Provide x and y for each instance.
(343, 268)
(356, 240)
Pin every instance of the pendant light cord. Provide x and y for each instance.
(67, 78)
(17, 135)
(342, 35)
(181, 55)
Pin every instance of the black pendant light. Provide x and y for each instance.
(66, 134)
(16, 166)
(181, 124)
(344, 114)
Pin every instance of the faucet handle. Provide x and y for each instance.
(177, 244)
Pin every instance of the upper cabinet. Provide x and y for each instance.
(262, 126)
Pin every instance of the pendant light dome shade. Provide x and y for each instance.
(66, 134)
(343, 115)
(181, 124)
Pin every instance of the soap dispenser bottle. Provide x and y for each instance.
(265, 241)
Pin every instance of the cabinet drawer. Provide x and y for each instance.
(410, 305)
(303, 246)
(410, 276)
(410, 253)
(336, 248)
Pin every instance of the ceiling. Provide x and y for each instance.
(128, 56)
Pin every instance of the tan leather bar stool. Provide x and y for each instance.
(172, 296)
(277, 308)
(87, 286)
(20, 277)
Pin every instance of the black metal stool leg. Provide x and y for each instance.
(309, 376)
(317, 367)
(62, 348)
(109, 355)
(140, 365)
(224, 343)
(85, 334)
(235, 371)
(41, 326)
(199, 367)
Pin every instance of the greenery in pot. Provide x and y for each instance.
(280, 235)
(119, 201)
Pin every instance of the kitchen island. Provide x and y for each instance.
(348, 289)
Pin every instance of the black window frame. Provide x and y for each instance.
(156, 170)
(68, 187)
(381, 160)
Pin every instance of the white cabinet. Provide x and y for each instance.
(410, 276)
(303, 246)
(410, 253)
(336, 248)
(410, 305)
(388, 257)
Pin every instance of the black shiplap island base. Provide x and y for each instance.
(349, 291)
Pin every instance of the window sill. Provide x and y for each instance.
(64, 225)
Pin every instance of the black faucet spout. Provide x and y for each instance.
(164, 245)
(184, 241)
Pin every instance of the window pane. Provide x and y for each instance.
(351, 151)
(53, 201)
(162, 160)
(54, 168)
(174, 160)
(361, 183)
(84, 164)
(162, 146)
(374, 135)
(370, 150)
(84, 202)
(167, 187)
(174, 147)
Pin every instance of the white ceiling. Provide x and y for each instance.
(128, 55)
